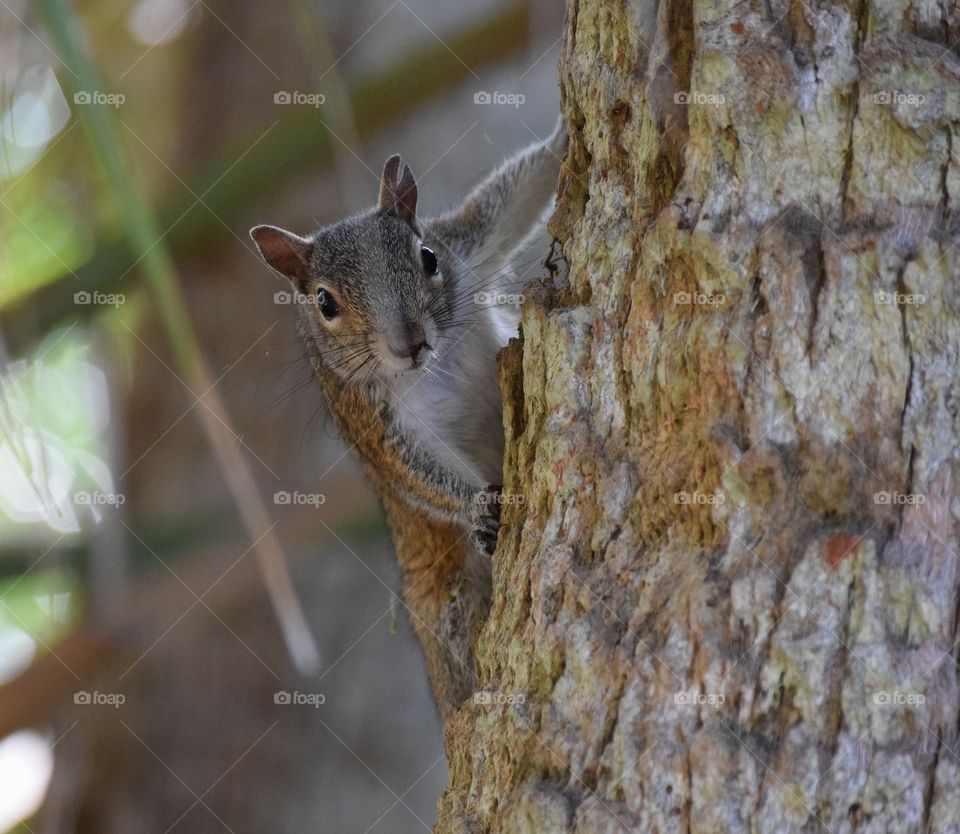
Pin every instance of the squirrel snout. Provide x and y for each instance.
(412, 343)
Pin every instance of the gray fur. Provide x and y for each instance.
(444, 417)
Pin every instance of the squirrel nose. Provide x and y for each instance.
(414, 341)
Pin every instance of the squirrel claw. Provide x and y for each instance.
(486, 524)
(483, 541)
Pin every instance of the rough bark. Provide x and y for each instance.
(729, 599)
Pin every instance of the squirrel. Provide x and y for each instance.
(401, 320)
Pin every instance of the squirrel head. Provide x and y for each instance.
(372, 288)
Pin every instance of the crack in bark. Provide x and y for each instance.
(862, 17)
(908, 346)
(666, 172)
(944, 190)
(931, 781)
(620, 369)
(607, 738)
(836, 697)
(819, 279)
(944, 22)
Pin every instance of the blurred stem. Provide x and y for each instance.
(144, 236)
(140, 225)
(312, 31)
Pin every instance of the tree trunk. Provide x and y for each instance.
(728, 600)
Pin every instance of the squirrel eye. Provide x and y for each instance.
(329, 308)
(429, 260)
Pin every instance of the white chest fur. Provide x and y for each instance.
(452, 407)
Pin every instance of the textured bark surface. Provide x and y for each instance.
(729, 598)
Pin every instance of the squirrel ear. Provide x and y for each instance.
(388, 183)
(407, 197)
(286, 252)
(398, 197)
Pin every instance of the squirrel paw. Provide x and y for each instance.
(486, 521)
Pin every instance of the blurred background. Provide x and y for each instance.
(163, 450)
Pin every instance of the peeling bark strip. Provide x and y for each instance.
(730, 599)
